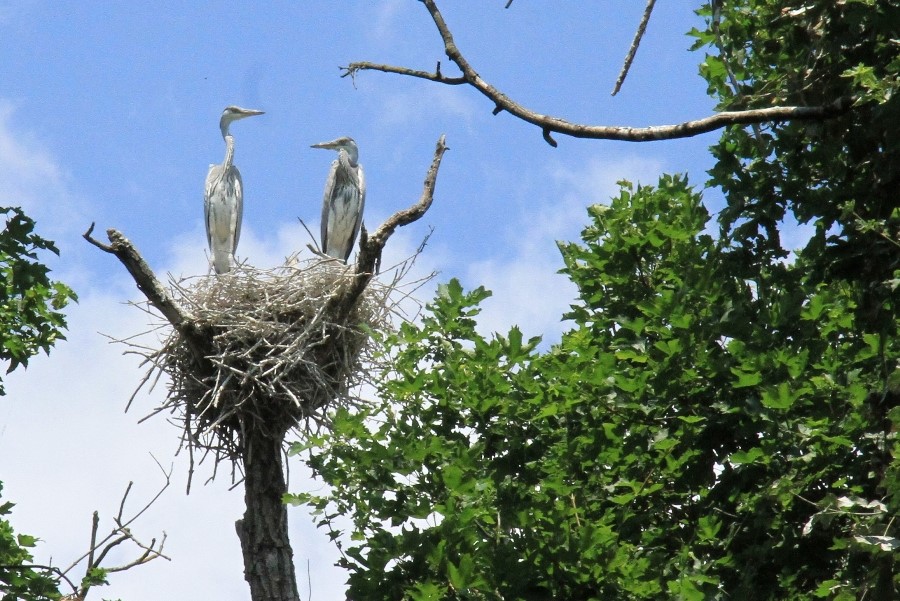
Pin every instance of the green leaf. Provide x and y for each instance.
(782, 397)
(457, 579)
(749, 456)
(746, 379)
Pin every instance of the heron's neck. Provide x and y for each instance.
(351, 156)
(229, 150)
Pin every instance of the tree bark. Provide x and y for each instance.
(268, 557)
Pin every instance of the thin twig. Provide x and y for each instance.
(629, 58)
(34, 566)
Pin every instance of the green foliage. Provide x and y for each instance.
(30, 321)
(17, 580)
(688, 438)
(839, 175)
(31, 318)
(721, 420)
(94, 577)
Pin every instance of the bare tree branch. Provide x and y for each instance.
(550, 125)
(629, 58)
(120, 534)
(143, 276)
(146, 281)
(353, 68)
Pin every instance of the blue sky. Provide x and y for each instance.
(109, 113)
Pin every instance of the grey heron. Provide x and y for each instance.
(345, 197)
(224, 199)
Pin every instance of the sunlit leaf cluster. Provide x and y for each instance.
(31, 318)
(18, 580)
(689, 438)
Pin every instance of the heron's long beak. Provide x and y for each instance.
(251, 113)
(326, 145)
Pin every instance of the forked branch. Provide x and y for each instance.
(99, 549)
(550, 125)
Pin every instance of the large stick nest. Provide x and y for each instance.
(276, 357)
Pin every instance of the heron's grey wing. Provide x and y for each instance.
(238, 215)
(326, 204)
(361, 180)
(212, 176)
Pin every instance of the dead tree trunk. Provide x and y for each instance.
(268, 557)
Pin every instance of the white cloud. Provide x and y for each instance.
(526, 292)
(423, 102)
(27, 171)
(384, 28)
(596, 180)
(31, 178)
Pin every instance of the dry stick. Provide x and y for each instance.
(629, 58)
(92, 562)
(550, 124)
(143, 276)
(111, 541)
